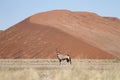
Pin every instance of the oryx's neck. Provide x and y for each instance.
(58, 53)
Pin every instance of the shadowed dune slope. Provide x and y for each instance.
(80, 34)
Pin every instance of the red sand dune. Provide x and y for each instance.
(79, 34)
(1, 31)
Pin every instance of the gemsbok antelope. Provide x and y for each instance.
(62, 57)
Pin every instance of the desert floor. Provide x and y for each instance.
(50, 69)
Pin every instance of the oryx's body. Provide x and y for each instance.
(62, 57)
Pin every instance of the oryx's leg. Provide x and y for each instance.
(60, 61)
(68, 60)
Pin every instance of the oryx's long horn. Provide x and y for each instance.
(56, 49)
(59, 49)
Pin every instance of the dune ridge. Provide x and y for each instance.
(80, 34)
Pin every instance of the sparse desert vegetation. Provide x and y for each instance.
(49, 69)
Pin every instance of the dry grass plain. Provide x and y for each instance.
(49, 69)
